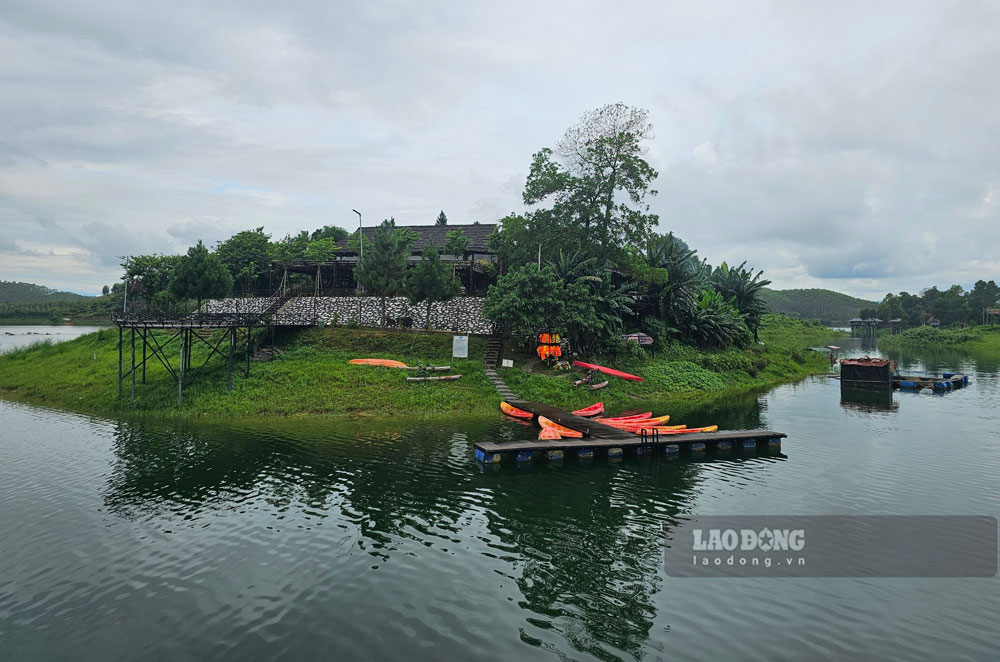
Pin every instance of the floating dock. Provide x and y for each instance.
(613, 442)
(947, 382)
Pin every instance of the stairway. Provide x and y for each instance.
(266, 353)
(490, 361)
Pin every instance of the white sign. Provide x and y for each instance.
(507, 363)
(460, 347)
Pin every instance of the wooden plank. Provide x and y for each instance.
(626, 442)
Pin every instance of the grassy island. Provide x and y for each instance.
(312, 377)
(976, 338)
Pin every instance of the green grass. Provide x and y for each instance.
(977, 338)
(681, 372)
(313, 378)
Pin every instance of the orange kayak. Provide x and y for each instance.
(592, 410)
(710, 428)
(511, 410)
(657, 428)
(549, 433)
(562, 429)
(634, 417)
(646, 422)
(385, 363)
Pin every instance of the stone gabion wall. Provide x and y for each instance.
(461, 314)
(234, 305)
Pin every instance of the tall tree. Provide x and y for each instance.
(383, 271)
(334, 232)
(200, 275)
(319, 252)
(441, 219)
(286, 251)
(430, 281)
(597, 179)
(247, 257)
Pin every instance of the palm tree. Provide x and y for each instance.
(742, 288)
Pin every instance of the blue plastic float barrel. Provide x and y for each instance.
(523, 456)
(585, 453)
(554, 454)
(672, 450)
(724, 445)
(907, 383)
(697, 447)
(488, 458)
(614, 452)
(749, 443)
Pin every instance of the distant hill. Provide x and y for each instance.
(829, 307)
(11, 292)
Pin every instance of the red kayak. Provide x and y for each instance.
(592, 410)
(607, 371)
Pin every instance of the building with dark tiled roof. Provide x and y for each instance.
(338, 274)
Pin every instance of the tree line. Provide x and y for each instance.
(954, 305)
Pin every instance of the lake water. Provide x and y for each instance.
(360, 541)
(18, 336)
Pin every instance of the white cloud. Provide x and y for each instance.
(845, 146)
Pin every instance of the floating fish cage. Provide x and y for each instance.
(866, 372)
(948, 381)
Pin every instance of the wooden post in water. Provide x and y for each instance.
(132, 396)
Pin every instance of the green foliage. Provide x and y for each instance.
(247, 256)
(441, 219)
(334, 232)
(148, 279)
(983, 337)
(383, 271)
(430, 280)
(596, 181)
(742, 288)
(526, 299)
(455, 243)
(832, 308)
(200, 275)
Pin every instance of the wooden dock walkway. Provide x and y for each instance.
(600, 438)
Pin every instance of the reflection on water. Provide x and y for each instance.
(869, 400)
(306, 539)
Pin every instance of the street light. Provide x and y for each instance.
(361, 241)
(125, 302)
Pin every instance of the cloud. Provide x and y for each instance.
(829, 151)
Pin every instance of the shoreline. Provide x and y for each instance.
(312, 380)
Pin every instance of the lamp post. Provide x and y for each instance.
(125, 301)
(361, 242)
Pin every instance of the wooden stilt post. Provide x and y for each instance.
(132, 372)
(180, 372)
(120, 332)
(248, 352)
(232, 348)
(144, 332)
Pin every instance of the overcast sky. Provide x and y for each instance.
(848, 145)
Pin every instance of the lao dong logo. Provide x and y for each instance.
(748, 540)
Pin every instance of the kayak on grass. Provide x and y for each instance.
(592, 410)
(511, 410)
(607, 371)
(385, 363)
(439, 378)
(563, 430)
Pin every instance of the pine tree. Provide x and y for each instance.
(441, 219)
(430, 281)
(200, 275)
(383, 271)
